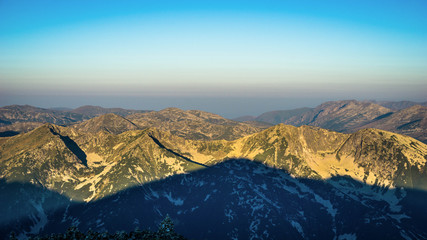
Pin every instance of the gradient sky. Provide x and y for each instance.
(155, 54)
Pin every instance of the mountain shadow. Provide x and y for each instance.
(8, 133)
(243, 199)
(74, 148)
(25, 207)
(175, 153)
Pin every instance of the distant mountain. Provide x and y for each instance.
(61, 109)
(399, 105)
(17, 119)
(18, 127)
(94, 111)
(350, 115)
(25, 113)
(342, 116)
(276, 117)
(410, 121)
(244, 118)
(194, 124)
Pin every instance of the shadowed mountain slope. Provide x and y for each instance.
(243, 199)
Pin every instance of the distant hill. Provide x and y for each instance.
(16, 119)
(25, 113)
(410, 121)
(94, 111)
(399, 105)
(276, 117)
(335, 115)
(244, 118)
(64, 109)
(341, 116)
(194, 124)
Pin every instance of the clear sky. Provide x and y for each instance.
(205, 54)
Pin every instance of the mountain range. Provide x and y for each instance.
(218, 178)
(350, 115)
(16, 119)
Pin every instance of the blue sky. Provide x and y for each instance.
(68, 53)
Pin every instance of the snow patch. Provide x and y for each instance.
(207, 197)
(229, 214)
(176, 202)
(40, 219)
(398, 217)
(327, 204)
(298, 227)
